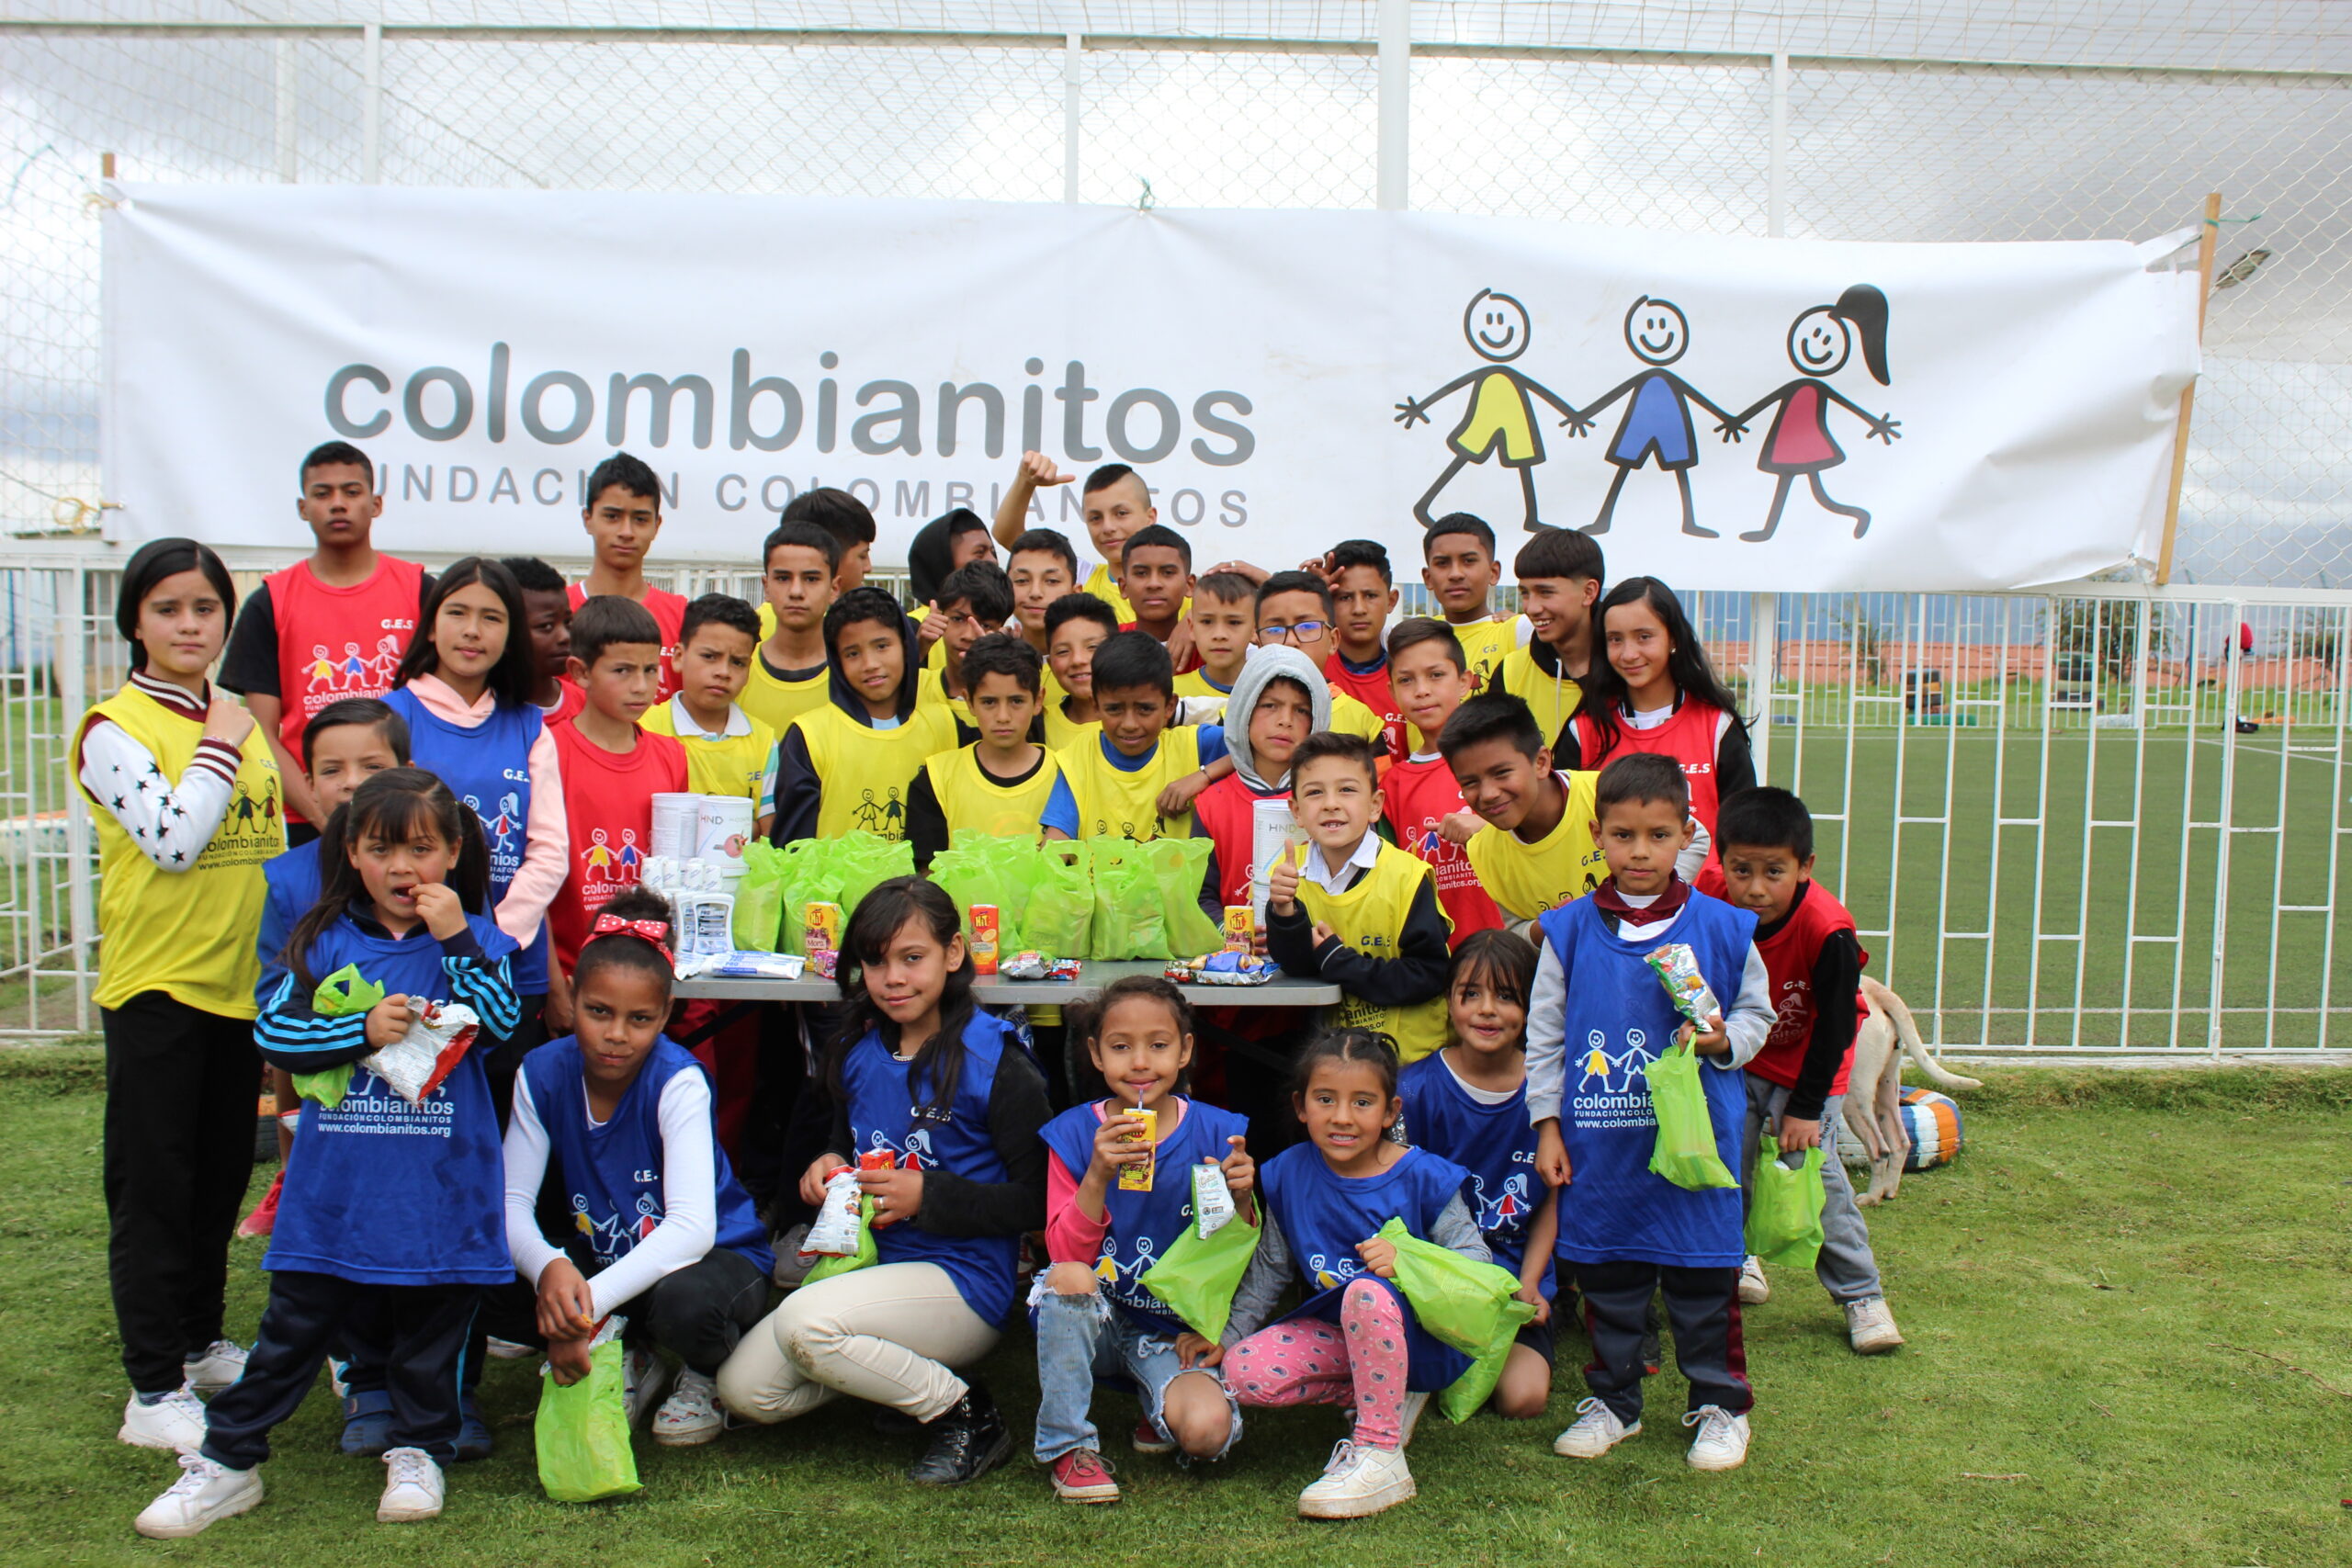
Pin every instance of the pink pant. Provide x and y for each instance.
(1304, 1361)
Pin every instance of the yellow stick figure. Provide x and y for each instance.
(1501, 410)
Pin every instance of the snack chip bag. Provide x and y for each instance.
(415, 1064)
(1677, 968)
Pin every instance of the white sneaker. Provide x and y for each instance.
(1356, 1483)
(1410, 1415)
(1596, 1432)
(1869, 1327)
(691, 1416)
(1721, 1442)
(205, 1491)
(1754, 1289)
(641, 1380)
(412, 1487)
(508, 1350)
(789, 1269)
(175, 1421)
(222, 1363)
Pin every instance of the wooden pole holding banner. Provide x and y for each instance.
(2205, 240)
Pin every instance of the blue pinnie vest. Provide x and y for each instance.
(1143, 1225)
(1618, 1022)
(612, 1173)
(383, 1192)
(1323, 1215)
(1496, 1144)
(489, 768)
(291, 886)
(889, 1112)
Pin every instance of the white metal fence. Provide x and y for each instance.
(2036, 804)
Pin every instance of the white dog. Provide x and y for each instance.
(1874, 1089)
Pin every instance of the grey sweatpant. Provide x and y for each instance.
(1846, 1267)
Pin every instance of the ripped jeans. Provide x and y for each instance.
(1080, 1338)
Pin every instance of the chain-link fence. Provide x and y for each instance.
(1851, 121)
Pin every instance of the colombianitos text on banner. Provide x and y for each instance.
(1729, 412)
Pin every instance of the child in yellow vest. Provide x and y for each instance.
(1134, 777)
(848, 766)
(1357, 911)
(1537, 850)
(974, 602)
(1000, 784)
(727, 751)
(1223, 623)
(1076, 625)
(788, 675)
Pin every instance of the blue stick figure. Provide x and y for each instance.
(1657, 412)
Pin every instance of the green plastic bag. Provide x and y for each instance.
(1177, 866)
(1685, 1151)
(866, 1256)
(340, 994)
(1195, 1279)
(812, 873)
(759, 898)
(582, 1433)
(1784, 1210)
(1128, 919)
(866, 863)
(1458, 1299)
(1467, 1394)
(985, 869)
(1059, 919)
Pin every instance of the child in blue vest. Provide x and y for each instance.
(939, 1107)
(661, 1231)
(1599, 1017)
(383, 1198)
(1353, 1340)
(465, 693)
(1468, 1102)
(1093, 1314)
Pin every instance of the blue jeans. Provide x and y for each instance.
(1080, 1338)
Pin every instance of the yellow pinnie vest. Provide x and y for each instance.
(1525, 879)
(1550, 697)
(1485, 645)
(1115, 804)
(777, 702)
(734, 764)
(188, 933)
(865, 773)
(1368, 918)
(968, 798)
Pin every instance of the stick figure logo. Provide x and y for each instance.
(1500, 416)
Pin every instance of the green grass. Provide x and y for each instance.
(2104, 1298)
(1965, 874)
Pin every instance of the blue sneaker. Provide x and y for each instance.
(474, 1440)
(366, 1424)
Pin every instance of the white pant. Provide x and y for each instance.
(888, 1334)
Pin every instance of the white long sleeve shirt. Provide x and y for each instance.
(171, 820)
(1748, 1021)
(689, 1191)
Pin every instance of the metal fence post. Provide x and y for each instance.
(72, 654)
(371, 106)
(1073, 82)
(1763, 659)
(1394, 171)
(1776, 177)
(286, 157)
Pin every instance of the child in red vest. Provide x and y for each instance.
(623, 515)
(1420, 797)
(1797, 1082)
(327, 629)
(611, 770)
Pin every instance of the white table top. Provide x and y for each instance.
(1280, 992)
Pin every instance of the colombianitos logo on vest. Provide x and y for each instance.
(833, 420)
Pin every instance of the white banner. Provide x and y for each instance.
(1734, 413)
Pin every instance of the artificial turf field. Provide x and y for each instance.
(2125, 1304)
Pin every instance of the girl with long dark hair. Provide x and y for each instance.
(939, 1107)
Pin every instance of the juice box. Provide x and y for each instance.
(1137, 1178)
(1241, 927)
(820, 935)
(985, 926)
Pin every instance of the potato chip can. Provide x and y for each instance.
(986, 924)
(820, 936)
(1241, 927)
(1137, 1178)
